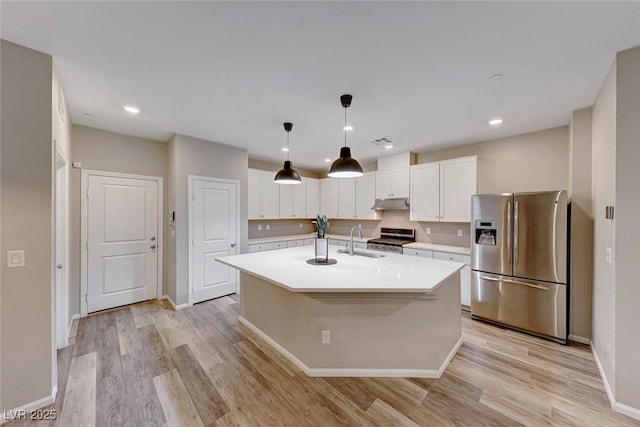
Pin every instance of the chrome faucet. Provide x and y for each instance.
(351, 252)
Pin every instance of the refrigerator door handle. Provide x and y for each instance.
(509, 232)
(516, 227)
(515, 282)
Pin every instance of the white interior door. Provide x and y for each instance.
(122, 241)
(214, 223)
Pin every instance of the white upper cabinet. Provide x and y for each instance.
(347, 198)
(441, 191)
(329, 197)
(424, 204)
(392, 183)
(293, 200)
(254, 188)
(365, 196)
(264, 195)
(313, 197)
(458, 182)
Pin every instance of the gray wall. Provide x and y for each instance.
(534, 161)
(26, 188)
(109, 152)
(603, 194)
(191, 156)
(627, 237)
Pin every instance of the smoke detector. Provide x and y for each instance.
(385, 140)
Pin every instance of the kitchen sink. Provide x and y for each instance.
(364, 254)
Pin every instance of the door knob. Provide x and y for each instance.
(153, 239)
(59, 266)
(233, 245)
(153, 246)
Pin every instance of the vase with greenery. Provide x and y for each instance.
(321, 242)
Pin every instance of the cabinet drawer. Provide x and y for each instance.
(259, 247)
(417, 252)
(294, 243)
(446, 256)
(336, 242)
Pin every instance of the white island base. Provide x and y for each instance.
(372, 334)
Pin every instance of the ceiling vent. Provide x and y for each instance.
(385, 140)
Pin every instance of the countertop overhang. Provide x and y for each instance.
(392, 273)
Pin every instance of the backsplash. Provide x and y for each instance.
(443, 233)
(279, 227)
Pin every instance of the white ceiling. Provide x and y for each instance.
(233, 72)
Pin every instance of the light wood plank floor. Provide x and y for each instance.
(146, 365)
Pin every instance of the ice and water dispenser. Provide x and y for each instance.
(486, 232)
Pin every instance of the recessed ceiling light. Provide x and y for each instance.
(327, 160)
(88, 114)
(495, 122)
(495, 76)
(131, 109)
(347, 128)
(285, 149)
(388, 146)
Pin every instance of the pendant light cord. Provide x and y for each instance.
(288, 149)
(345, 126)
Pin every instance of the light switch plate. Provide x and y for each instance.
(607, 255)
(460, 232)
(15, 259)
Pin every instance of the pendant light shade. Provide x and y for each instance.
(345, 166)
(287, 175)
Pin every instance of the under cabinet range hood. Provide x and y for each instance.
(399, 204)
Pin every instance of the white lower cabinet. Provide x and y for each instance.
(294, 243)
(417, 252)
(465, 273)
(259, 247)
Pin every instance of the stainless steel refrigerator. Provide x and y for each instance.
(519, 261)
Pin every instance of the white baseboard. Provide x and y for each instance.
(579, 339)
(616, 406)
(627, 410)
(173, 304)
(605, 380)
(349, 372)
(22, 412)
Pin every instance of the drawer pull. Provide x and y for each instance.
(515, 282)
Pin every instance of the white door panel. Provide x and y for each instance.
(122, 227)
(214, 221)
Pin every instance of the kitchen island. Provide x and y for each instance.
(393, 316)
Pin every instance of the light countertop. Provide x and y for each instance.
(441, 248)
(393, 273)
(415, 245)
(259, 240)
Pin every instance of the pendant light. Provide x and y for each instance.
(287, 175)
(345, 166)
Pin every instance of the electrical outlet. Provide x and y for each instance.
(360, 227)
(607, 256)
(268, 227)
(300, 225)
(428, 230)
(460, 232)
(259, 227)
(326, 336)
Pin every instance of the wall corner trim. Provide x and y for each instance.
(12, 414)
(616, 406)
(173, 304)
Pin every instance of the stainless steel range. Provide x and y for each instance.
(392, 239)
